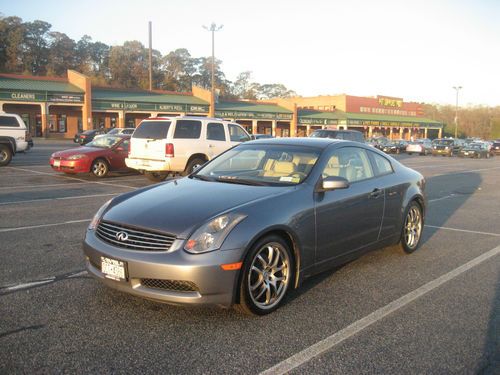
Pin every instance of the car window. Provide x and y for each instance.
(237, 134)
(382, 165)
(187, 129)
(351, 163)
(9, 121)
(215, 132)
(128, 131)
(125, 144)
(107, 141)
(152, 130)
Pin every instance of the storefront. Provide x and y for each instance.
(59, 108)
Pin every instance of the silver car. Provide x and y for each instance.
(255, 222)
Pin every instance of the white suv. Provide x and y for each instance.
(163, 145)
(13, 136)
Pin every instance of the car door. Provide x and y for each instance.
(216, 139)
(120, 153)
(348, 219)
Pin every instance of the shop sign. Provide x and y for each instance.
(253, 115)
(109, 105)
(316, 121)
(67, 98)
(390, 102)
(198, 108)
(22, 96)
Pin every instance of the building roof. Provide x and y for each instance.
(243, 106)
(389, 118)
(37, 84)
(100, 93)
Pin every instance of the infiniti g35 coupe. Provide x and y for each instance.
(253, 223)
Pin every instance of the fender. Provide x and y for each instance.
(10, 141)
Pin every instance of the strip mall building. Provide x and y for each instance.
(60, 107)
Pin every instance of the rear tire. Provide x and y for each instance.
(100, 168)
(193, 165)
(155, 176)
(5, 155)
(268, 272)
(413, 226)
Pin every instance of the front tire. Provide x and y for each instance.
(412, 228)
(100, 168)
(267, 275)
(5, 155)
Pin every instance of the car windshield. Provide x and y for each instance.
(445, 142)
(476, 146)
(269, 165)
(113, 131)
(106, 141)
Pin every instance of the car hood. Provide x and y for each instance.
(180, 206)
(78, 150)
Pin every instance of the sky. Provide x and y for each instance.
(416, 50)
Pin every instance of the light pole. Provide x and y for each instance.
(213, 28)
(457, 89)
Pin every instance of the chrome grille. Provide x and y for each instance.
(174, 285)
(134, 239)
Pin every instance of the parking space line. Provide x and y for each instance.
(466, 171)
(62, 184)
(3, 230)
(73, 178)
(442, 198)
(328, 343)
(464, 230)
(57, 199)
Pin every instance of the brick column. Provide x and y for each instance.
(254, 126)
(440, 133)
(273, 128)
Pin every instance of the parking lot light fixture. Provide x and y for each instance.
(213, 28)
(457, 89)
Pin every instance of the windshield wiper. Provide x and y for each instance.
(241, 181)
(202, 177)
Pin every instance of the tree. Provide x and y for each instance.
(35, 47)
(128, 65)
(243, 88)
(61, 55)
(178, 70)
(12, 34)
(274, 90)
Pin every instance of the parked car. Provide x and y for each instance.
(475, 150)
(378, 142)
(495, 147)
(117, 131)
(256, 221)
(396, 146)
(14, 137)
(445, 147)
(422, 147)
(261, 136)
(98, 157)
(349, 135)
(88, 135)
(161, 146)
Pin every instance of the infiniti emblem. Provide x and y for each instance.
(121, 236)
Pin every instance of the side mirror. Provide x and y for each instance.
(119, 149)
(333, 183)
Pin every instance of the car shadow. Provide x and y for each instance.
(451, 189)
(491, 349)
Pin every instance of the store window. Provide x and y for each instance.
(57, 123)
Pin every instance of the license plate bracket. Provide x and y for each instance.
(114, 269)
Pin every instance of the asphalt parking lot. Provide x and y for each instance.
(434, 311)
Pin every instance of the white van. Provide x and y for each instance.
(13, 136)
(163, 145)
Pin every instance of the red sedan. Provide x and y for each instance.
(99, 156)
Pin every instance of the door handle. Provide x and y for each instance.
(211, 146)
(375, 193)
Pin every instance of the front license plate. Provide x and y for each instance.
(57, 163)
(113, 269)
(466, 153)
(145, 163)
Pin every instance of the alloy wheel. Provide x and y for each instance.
(99, 168)
(413, 227)
(3, 156)
(269, 276)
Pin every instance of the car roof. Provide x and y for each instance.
(299, 141)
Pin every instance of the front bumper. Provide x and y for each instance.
(70, 166)
(213, 286)
(441, 152)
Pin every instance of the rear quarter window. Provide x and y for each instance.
(187, 129)
(9, 121)
(152, 130)
(382, 165)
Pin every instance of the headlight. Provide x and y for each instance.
(97, 217)
(77, 157)
(446, 148)
(211, 235)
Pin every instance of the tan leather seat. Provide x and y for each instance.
(333, 167)
(279, 169)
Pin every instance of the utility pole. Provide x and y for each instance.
(457, 89)
(213, 28)
(150, 56)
